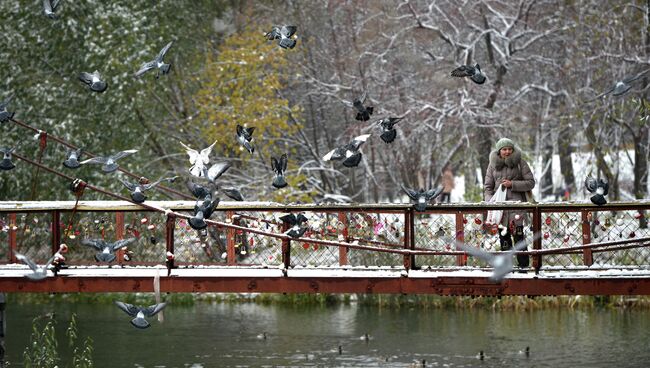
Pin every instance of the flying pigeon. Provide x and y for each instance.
(279, 167)
(295, 221)
(422, 197)
(39, 272)
(283, 34)
(157, 63)
(198, 160)
(49, 7)
(233, 193)
(6, 163)
(106, 250)
(109, 163)
(599, 187)
(621, 87)
(388, 133)
(72, 162)
(363, 112)
(4, 114)
(198, 191)
(502, 262)
(136, 190)
(473, 72)
(202, 211)
(245, 136)
(349, 153)
(94, 81)
(140, 312)
(215, 171)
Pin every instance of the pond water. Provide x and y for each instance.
(227, 335)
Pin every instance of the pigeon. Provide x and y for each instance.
(279, 167)
(109, 163)
(215, 171)
(198, 160)
(6, 163)
(349, 153)
(388, 133)
(72, 162)
(233, 193)
(621, 87)
(473, 72)
(422, 197)
(202, 211)
(49, 7)
(295, 221)
(94, 81)
(363, 112)
(599, 187)
(157, 63)
(245, 136)
(199, 191)
(39, 272)
(502, 262)
(136, 190)
(4, 114)
(106, 250)
(283, 34)
(140, 312)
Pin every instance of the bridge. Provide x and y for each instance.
(364, 248)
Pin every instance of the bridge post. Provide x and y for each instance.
(56, 231)
(537, 243)
(343, 251)
(119, 234)
(461, 260)
(231, 254)
(12, 238)
(587, 255)
(409, 238)
(286, 247)
(170, 225)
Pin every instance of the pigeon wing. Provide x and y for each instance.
(476, 252)
(129, 186)
(27, 261)
(216, 170)
(152, 310)
(86, 77)
(632, 79)
(95, 160)
(194, 154)
(462, 71)
(283, 162)
(47, 6)
(605, 186)
(123, 154)
(433, 193)
(590, 184)
(94, 243)
(129, 309)
(410, 192)
(55, 4)
(122, 243)
(145, 68)
(49, 261)
(205, 153)
(288, 31)
(330, 155)
(289, 219)
(163, 52)
(362, 99)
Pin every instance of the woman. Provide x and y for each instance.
(447, 184)
(508, 169)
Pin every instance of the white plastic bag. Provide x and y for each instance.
(494, 216)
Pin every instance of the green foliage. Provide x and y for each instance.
(43, 351)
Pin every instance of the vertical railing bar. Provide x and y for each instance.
(12, 237)
(286, 247)
(409, 237)
(343, 251)
(231, 255)
(587, 254)
(537, 242)
(170, 226)
(119, 234)
(56, 231)
(461, 260)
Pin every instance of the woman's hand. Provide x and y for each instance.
(507, 183)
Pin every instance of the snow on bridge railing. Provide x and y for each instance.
(250, 233)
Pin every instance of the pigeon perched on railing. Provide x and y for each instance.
(233, 193)
(245, 136)
(349, 153)
(4, 114)
(109, 164)
(93, 81)
(198, 160)
(283, 34)
(295, 221)
(473, 72)
(202, 211)
(140, 312)
(279, 167)
(49, 7)
(599, 187)
(72, 162)
(106, 250)
(157, 63)
(136, 190)
(422, 197)
(39, 272)
(621, 87)
(6, 163)
(502, 262)
(388, 132)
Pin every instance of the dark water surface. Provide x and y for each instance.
(226, 335)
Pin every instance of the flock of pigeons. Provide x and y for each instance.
(349, 154)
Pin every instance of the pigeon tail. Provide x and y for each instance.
(110, 168)
(6, 165)
(421, 207)
(279, 182)
(478, 78)
(598, 200)
(165, 68)
(71, 164)
(287, 43)
(388, 136)
(105, 257)
(363, 116)
(197, 223)
(138, 197)
(140, 323)
(353, 160)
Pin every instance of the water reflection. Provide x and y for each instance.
(228, 335)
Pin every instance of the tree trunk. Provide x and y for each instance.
(566, 165)
(546, 182)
